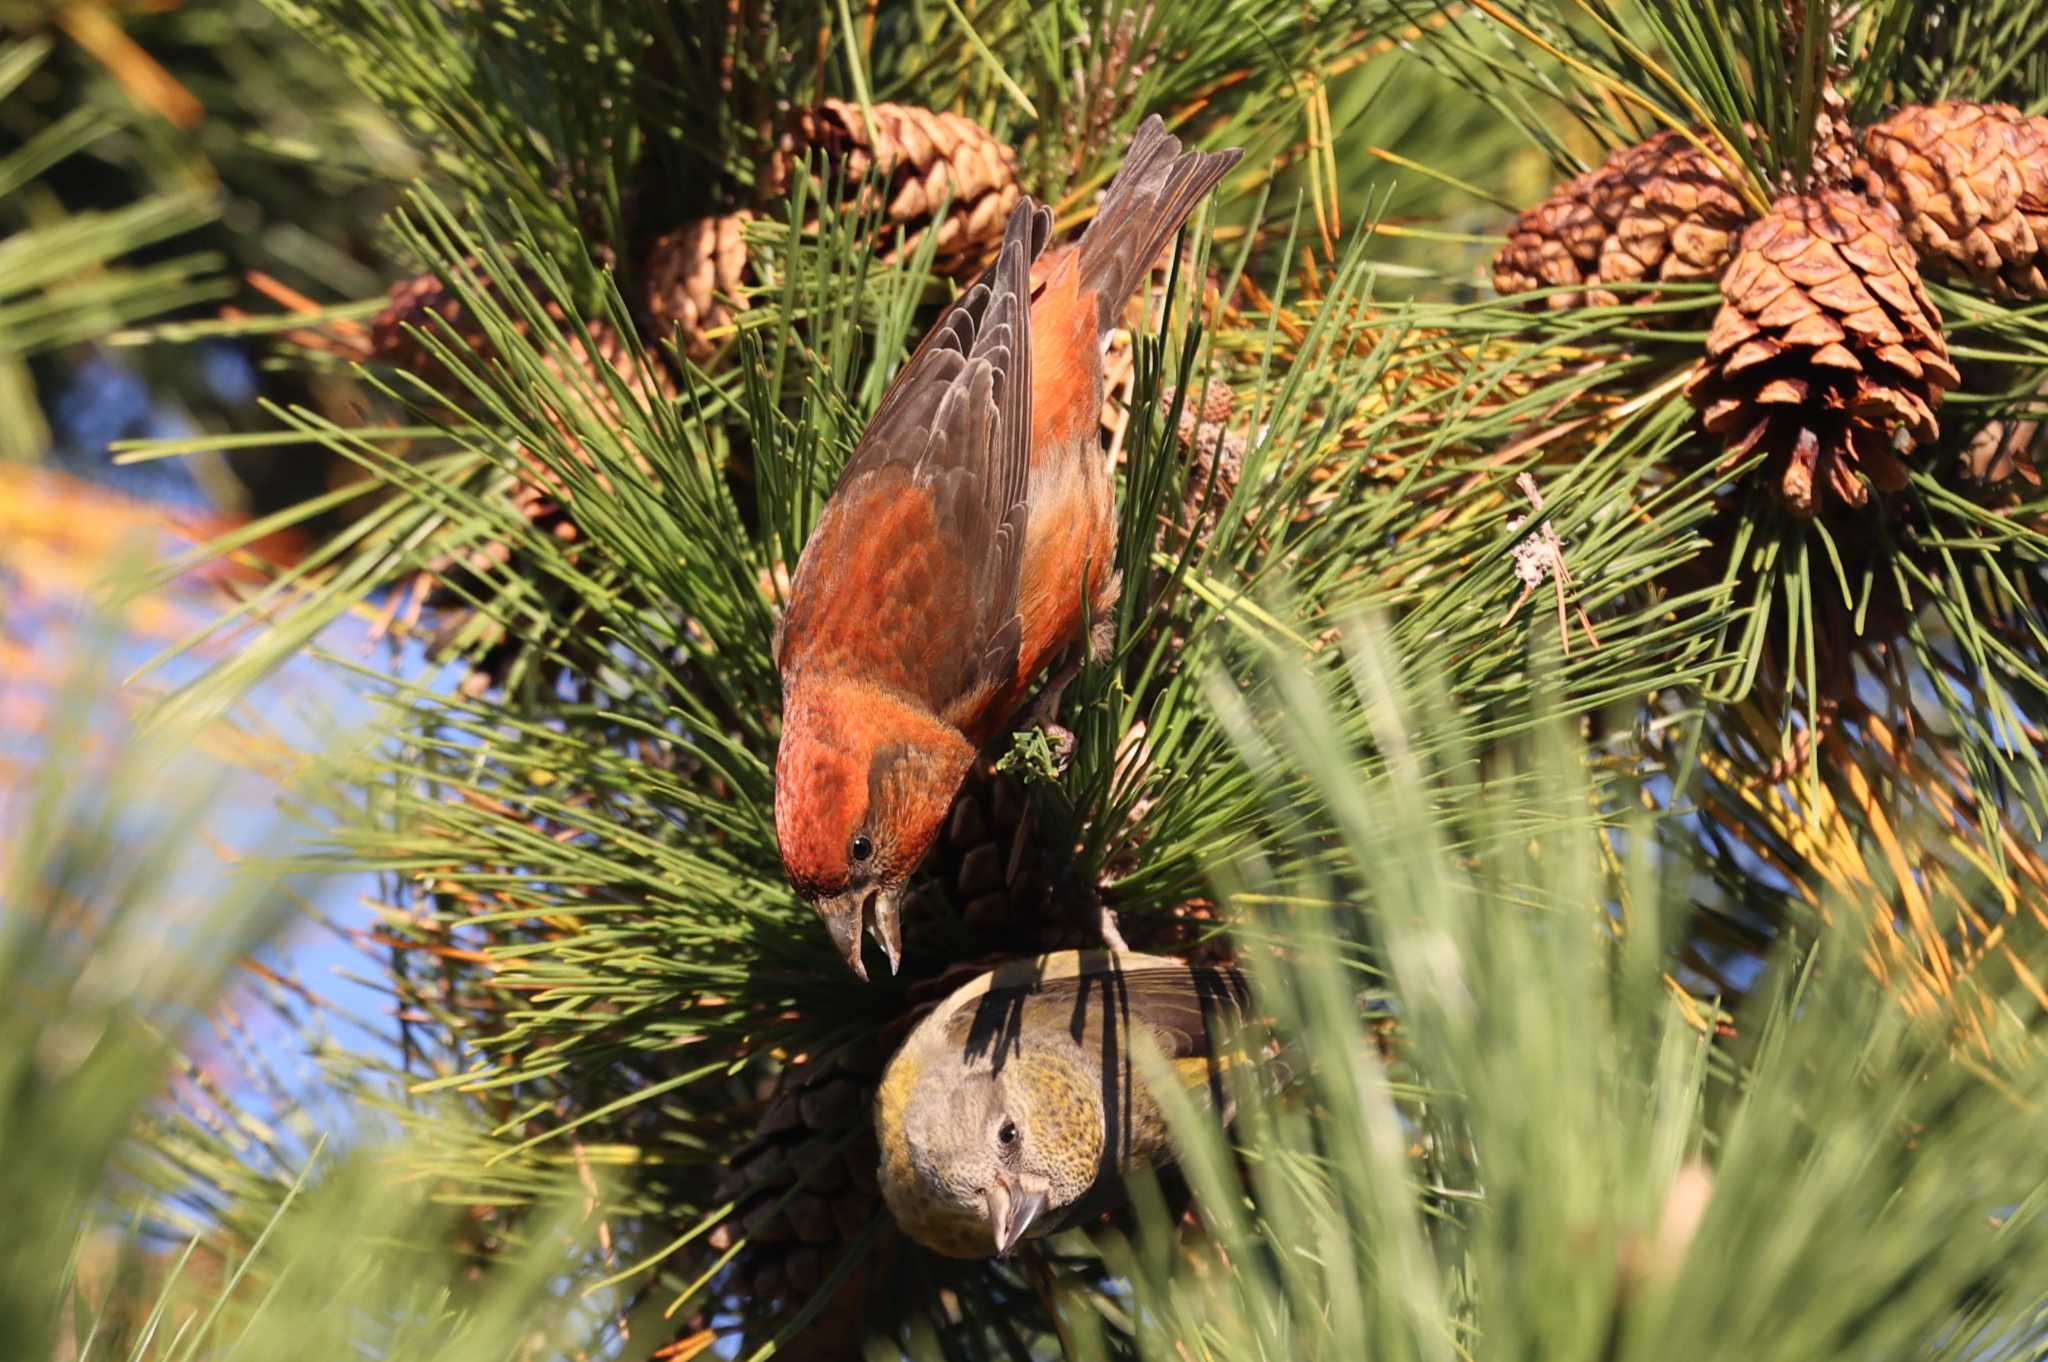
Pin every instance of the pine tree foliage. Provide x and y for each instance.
(1510, 1128)
(174, 1195)
(1652, 1192)
(1878, 669)
(591, 952)
(62, 274)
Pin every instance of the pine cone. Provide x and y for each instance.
(414, 305)
(803, 1189)
(393, 341)
(1837, 157)
(1970, 182)
(1216, 451)
(1105, 80)
(926, 160)
(1209, 411)
(2008, 447)
(693, 278)
(644, 377)
(1825, 349)
(1000, 876)
(1657, 210)
(411, 301)
(1016, 888)
(540, 496)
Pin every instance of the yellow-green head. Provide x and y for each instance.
(1013, 1107)
(978, 1153)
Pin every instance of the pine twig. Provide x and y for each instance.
(1539, 557)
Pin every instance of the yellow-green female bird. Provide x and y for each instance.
(1014, 1108)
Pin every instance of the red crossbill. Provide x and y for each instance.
(970, 535)
(1014, 1108)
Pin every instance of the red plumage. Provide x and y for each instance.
(969, 537)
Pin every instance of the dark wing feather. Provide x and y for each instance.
(1185, 1008)
(1154, 191)
(913, 571)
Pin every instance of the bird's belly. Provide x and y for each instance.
(1069, 556)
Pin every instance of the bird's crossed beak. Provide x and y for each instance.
(1012, 1209)
(878, 911)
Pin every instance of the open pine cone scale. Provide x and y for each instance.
(1825, 349)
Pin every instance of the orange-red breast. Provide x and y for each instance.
(970, 535)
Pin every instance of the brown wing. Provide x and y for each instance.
(911, 576)
(1182, 1007)
(1154, 191)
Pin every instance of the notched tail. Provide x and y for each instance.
(1151, 196)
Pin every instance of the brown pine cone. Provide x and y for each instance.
(414, 306)
(803, 1189)
(1105, 80)
(1016, 888)
(998, 876)
(1970, 183)
(693, 279)
(411, 300)
(2008, 447)
(1825, 350)
(1211, 409)
(1018, 891)
(644, 377)
(1216, 452)
(804, 1194)
(1837, 157)
(1657, 210)
(926, 161)
(397, 338)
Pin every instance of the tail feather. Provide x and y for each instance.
(1151, 196)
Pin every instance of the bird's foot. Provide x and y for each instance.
(1111, 937)
(1045, 710)
(1062, 741)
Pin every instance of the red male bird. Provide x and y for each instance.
(971, 534)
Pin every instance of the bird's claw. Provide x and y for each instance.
(1111, 937)
(1062, 741)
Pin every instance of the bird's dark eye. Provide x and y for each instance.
(1008, 1134)
(862, 848)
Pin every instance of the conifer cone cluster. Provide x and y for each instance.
(1656, 211)
(1970, 183)
(936, 171)
(693, 279)
(1827, 354)
(1825, 350)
